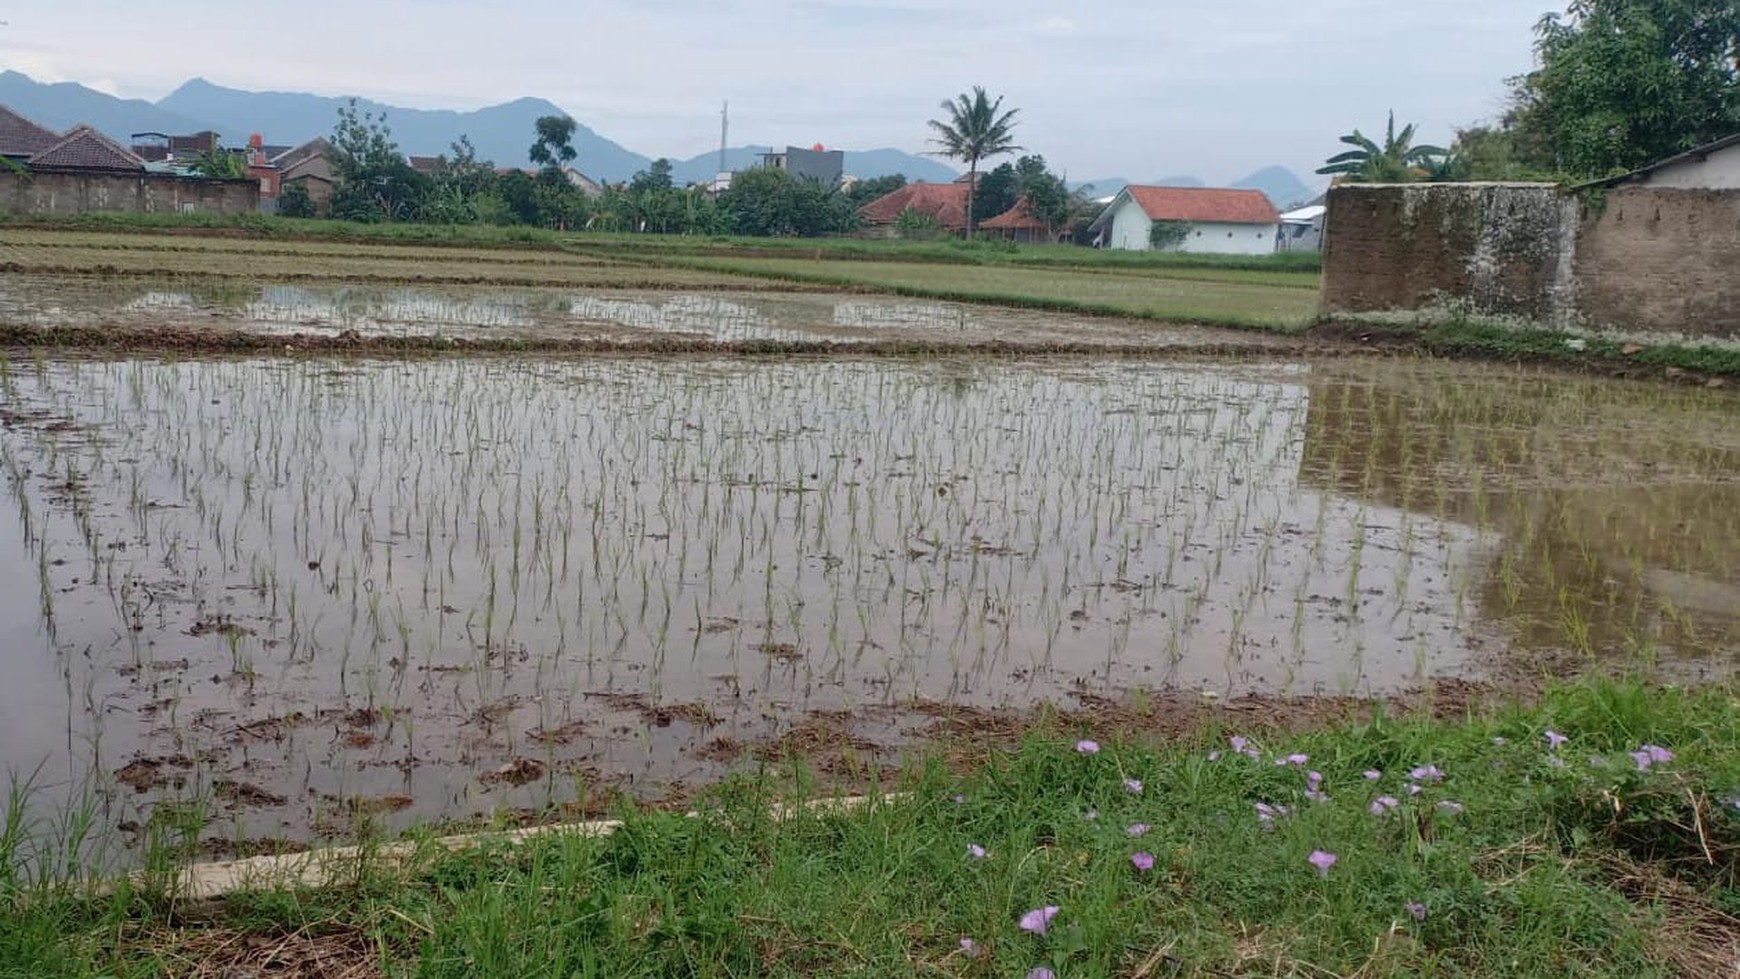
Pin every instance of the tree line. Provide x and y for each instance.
(376, 182)
(1616, 85)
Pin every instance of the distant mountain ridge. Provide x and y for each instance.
(501, 133)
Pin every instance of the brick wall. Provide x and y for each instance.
(1639, 260)
(81, 193)
(1663, 260)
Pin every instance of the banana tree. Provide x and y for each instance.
(1396, 161)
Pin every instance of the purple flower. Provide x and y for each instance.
(1267, 814)
(1039, 919)
(1413, 788)
(1554, 739)
(1657, 755)
(1372, 774)
(1088, 746)
(970, 947)
(1143, 860)
(1322, 860)
(1133, 786)
(1239, 743)
(1450, 807)
(1314, 780)
(1293, 759)
(1417, 910)
(1041, 972)
(975, 851)
(1383, 804)
(1214, 756)
(1136, 829)
(1427, 773)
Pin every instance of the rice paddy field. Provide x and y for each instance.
(260, 601)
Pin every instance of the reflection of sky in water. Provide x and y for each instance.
(875, 315)
(163, 300)
(709, 316)
(396, 311)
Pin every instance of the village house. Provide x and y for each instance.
(1017, 224)
(82, 170)
(1215, 220)
(1713, 166)
(946, 204)
(310, 167)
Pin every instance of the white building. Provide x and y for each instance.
(1302, 229)
(1215, 220)
(1713, 166)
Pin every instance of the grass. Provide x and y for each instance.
(947, 250)
(1228, 298)
(1566, 861)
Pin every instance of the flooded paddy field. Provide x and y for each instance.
(195, 307)
(289, 594)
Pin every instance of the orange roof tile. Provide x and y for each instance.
(945, 202)
(1017, 218)
(1223, 206)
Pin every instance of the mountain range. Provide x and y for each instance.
(501, 133)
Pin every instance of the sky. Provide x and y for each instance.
(1139, 89)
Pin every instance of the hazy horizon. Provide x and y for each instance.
(1110, 88)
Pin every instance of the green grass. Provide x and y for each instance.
(1587, 868)
(1221, 297)
(1468, 337)
(954, 251)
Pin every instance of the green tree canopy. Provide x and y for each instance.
(555, 144)
(770, 202)
(1622, 83)
(976, 129)
(995, 191)
(865, 191)
(1397, 160)
(375, 182)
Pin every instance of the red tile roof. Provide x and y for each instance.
(1205, 204)
(1017, 218)
(945, 202)
(83, 148)
(21, 137)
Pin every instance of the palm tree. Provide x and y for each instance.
(1396, 161)
(974, 131)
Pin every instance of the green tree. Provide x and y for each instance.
(220, 164)
(1048, 197)
(1398, 160)
(294, 202)
(995, 191)
(374, 181)
(1622, 83)
(656, 177)
(1167, 235)
(770, 202)
(976, 129)
(555, 145)
(864, 191)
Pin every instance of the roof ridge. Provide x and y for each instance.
(85, 131)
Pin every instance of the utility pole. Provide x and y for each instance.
(724, 132)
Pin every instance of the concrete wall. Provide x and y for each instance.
(1640, 260)
(1405, 246)
(81, 193)
(1130, 226)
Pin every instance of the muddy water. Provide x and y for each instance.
(300, 589)
(624, 315)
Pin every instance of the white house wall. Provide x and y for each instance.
(1230, 239)
(1718, 171)
(1130, 226)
